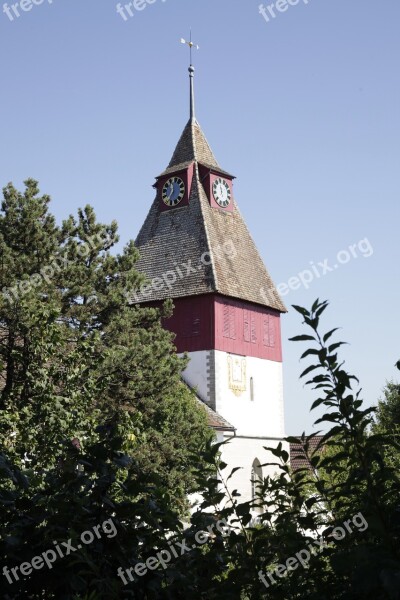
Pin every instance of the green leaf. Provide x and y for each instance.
(309, 369)
(309, 352)
(337, 345)
(330, 333)
(302, 338)
(301, 310)
(321, 309)
(315, 305)
(317, 403)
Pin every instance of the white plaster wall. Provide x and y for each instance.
(196, 373)
(241, 452)
(264, 415)
(260, 421)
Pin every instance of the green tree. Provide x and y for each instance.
(71, 349)
(388, 411)
(387, 423)
(96, 426)
(360, 563)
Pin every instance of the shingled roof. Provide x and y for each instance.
(298, 454)
(170, 238)
(193, 146)
(214, 420)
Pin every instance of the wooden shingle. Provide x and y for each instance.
(197, 234)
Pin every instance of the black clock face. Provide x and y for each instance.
(221, 192)
(173, 191)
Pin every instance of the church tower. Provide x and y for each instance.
(196, 249)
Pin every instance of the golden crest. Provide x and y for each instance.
(237, 374)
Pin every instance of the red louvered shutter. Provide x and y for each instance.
(271, 327)
(226, 321)
(253, 329)
(232, 328)
(229, 322)
(269, 331)
(196, 327)
(246, 326)
(266, 330)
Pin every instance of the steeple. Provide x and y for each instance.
(194, 247)
(192, 145)
(195, 225)
(191, 74)
(191, 77)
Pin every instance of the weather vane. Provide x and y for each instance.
(191, 45)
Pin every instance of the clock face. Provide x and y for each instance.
(173, 191)
(221, 192)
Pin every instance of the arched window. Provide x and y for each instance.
(252, 389)
(256, 479)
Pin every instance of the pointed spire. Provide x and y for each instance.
(192, 146)
(191, 77)
(191, 74)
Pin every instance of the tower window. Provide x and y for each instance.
(253, 329)
(256, 480)
(252, 389)
(246, 326)
(191, 327)
(249, 327)
(196, 327)
(269, 331)
(229, 322)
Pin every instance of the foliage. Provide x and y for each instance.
(388, 411)
(96, 426)
(363, 489)
(85, 489)
(387, 423)
(73, 352)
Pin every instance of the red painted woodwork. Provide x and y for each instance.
(213, 322)
(207, 177)
(187, 177)
(247, 329)
(192, 322)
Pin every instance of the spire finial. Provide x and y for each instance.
(191, 73)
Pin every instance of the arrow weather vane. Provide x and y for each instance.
(191, 45)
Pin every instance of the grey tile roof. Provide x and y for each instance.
(298, 455)
(214, 419)
(193, 146)
(185, 165)
(197, 234)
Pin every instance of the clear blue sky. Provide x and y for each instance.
(304, 110)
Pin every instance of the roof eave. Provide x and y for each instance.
(183, 166)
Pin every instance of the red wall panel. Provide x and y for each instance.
(213, 322)
(193, 323)
(247, 329)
